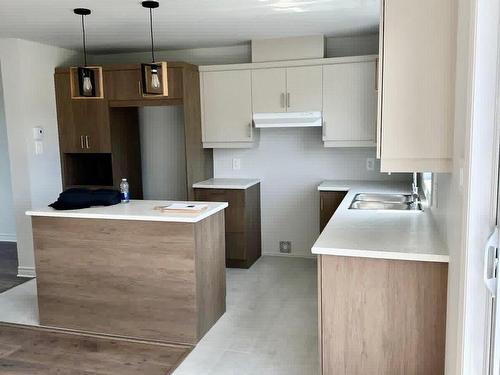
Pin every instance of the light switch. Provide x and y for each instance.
(236, 164)
(38, 147)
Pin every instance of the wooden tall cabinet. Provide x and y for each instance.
(416, 95)
(100, 140)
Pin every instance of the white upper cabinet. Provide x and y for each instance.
(416, 105)
(304, 88)
(293, 89)
(350, 104)
(269, 90)
(226, 98)
(343, 89)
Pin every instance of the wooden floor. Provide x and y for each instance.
(32, 350)
(8, 267)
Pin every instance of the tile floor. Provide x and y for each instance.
(8, 267)
(269, 328)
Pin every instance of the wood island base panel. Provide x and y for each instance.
(381, 317)
(148, 280)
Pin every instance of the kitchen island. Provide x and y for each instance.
(382, 280)
(131, 271)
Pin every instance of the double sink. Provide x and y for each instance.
(376, 201)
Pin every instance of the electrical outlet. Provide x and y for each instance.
(370, 164)
(285, 247)
(236, 164)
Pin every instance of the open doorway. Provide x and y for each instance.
(8, 248)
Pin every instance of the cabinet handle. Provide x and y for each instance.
(87, 143)
(250, 130)
(140, 87)
(323, 133)
(321, 204)
(282, 100)
(376, 74)
(81, 142)
(288, 99)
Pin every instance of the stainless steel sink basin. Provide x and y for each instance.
(374, 201)
(389, 198)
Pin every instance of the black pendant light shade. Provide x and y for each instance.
(154, 74)
(88, 80)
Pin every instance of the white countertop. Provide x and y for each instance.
(403, 235)
(226, 183)
(134, 210)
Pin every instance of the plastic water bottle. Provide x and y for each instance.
(124, 191)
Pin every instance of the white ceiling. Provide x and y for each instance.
(122, 25)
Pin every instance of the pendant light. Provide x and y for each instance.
(88, 80)
(154, 74)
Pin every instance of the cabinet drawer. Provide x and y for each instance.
(235, 213)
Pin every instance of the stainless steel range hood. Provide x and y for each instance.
(287, 119)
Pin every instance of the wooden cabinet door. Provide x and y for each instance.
(83, 123)
(91, 121)
(227, 106)
(70, 137)
(350, 104)
(304, 88)
(417, 85)
(329, 202)
(123, 84)
(269, 90)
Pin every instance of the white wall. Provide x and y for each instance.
(291, 164)
(7, 224)
(335, 47)
(352, 45)
(198, 56)
(450, 213)
(163, 152)
(29, 97)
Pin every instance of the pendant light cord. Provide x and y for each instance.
(152, 37)
(84, 42)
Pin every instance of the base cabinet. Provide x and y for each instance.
(381, 317)
(242, 221)
(144, 280)
(329, 201)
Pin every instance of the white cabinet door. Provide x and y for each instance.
(269, 90)
(304, 88)
(349, 104)
(418, 75)
(227, 107)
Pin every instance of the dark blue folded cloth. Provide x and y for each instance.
(76, 198)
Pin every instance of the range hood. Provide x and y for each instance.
(287, 119)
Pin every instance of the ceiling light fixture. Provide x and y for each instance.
(88, 80)
(154, 74)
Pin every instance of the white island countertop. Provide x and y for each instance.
(384, 234)
(143, 210)
(227, 183)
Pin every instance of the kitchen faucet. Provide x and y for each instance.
(414, 188)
